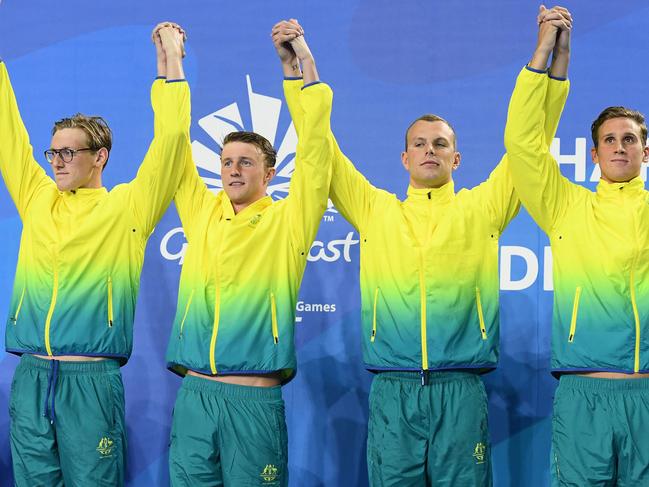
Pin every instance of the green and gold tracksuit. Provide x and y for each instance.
(236, 313)
(429, 290)
(75, 290)
(600, 258)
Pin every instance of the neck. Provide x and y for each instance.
(91, 185)
(239, 207)
(431, 185)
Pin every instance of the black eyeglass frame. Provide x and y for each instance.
(70, 153)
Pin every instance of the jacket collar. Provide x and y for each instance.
(635, 187)
(256, 207)
(440, 195)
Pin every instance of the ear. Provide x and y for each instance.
(645, 152)
(101, 158)
(404, 161)
(456, 160)
(270, 174)
(593, 155)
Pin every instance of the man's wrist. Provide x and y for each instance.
(308, 61)
(174, 56)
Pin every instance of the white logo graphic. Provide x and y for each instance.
(264, 113)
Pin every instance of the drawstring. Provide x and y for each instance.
(49, 410)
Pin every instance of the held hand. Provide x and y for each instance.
(282, 33)
(560, 23)
(172, 39)
(547, 37)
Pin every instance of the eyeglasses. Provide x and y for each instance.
(66, 155)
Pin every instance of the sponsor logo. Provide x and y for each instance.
(105, 447)
(315, 307)
(333, 250)
(174, 244)
(479, 453)
(269, 474)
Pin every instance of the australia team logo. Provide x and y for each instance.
(265, 117)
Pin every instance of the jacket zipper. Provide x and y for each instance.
(110, 301)
(215, 327)
(50, 312)
(575, 311)
(20, 305)
(483, 330)
(182, 323)
(422, 297)
(376, 298)
(273, 313)
(636, 316)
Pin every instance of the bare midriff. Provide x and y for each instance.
(254, 380)
(615, 375)
(71, 358)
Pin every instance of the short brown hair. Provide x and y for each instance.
(266, 148)
(429, 117)
(618, 112)
(98, 133)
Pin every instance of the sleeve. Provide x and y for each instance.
(503, 202)
(532, 119)
(351, 193)
(159, 174)
(309, 187)
(190, 198)
(22, 174)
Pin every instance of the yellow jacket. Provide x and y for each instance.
(81, 252)
(600, 247)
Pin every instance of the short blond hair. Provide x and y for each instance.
(97, 131)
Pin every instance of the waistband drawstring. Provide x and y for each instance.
(49, 409)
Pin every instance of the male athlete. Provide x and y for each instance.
(77, 278)
(600, 252)
(429, 289)
(232, 338)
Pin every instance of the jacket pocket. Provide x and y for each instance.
(376, 300)
(273, 316)
(575, 312)
(187, 306)
(14, 318)
(110, 301)
(478, 301)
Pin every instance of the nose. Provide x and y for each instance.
(619, 147)
(430, 149)
(57, 161)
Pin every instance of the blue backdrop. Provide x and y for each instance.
(387, 62)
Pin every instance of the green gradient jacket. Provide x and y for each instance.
(241, 273)
(600, 248)
(81, 252)
(429, 264)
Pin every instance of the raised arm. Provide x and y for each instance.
(191, 192)
(351, 193)
(502, 201)
(21, 173)
(532, 109)
(157, 179)
(309, 189)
